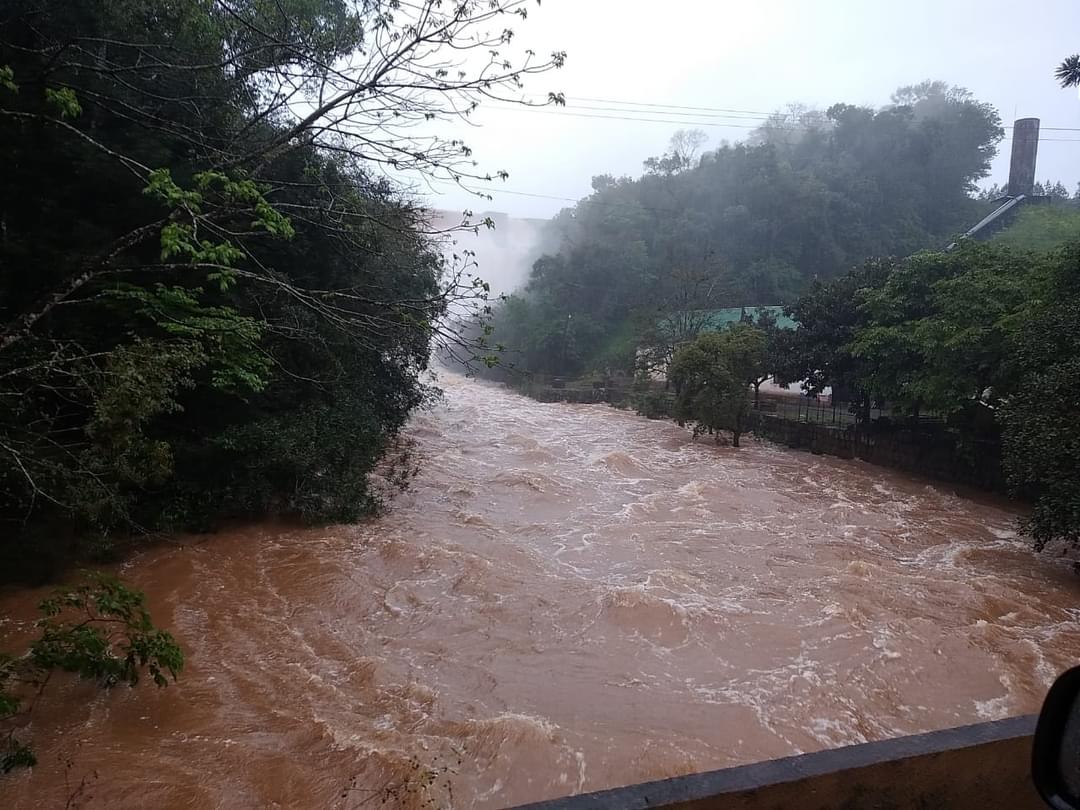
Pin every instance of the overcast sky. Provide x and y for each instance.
(758, 56)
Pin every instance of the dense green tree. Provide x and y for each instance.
(1041, 428)
(934, 333)
(985, 334)
(929, 332)
(712, 376)
(780, 360)
(828, 317)
(218, 304)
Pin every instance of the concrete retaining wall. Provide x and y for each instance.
(972, 767)
(939, 454)
(931, 451)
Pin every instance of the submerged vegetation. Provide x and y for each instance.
(711, 375)
(100, 631)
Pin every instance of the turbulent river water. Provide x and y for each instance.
(569, 598)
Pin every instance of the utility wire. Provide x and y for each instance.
(673, 106)
(734, 111)
(629, 118)
(643, 108)
(720, 112)
(576, 201)
(582, 201)
(682, 122)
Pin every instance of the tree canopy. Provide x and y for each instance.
(712, 375)
(215, 297)
(807, 196)
(1041, 429)
(984, 335)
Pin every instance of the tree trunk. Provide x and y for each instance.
(735, 438)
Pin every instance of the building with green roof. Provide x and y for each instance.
(716, 319)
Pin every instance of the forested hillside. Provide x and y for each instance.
(807, 196)
(214, 301)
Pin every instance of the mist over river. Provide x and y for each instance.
(569, 598)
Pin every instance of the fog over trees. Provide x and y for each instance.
(809, 194)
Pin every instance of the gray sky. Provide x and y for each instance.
(758, 56)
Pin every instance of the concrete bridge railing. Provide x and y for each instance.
(987, 765)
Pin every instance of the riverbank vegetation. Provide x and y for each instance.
(981, 341)
(100, 631)
(985, 337)
(216, 301)
(711, 375)
(811, 212)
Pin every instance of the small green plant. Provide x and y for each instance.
(99, 630)
(64, 102)
(7, 79)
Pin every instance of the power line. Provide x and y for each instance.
(628, 118)
(643, 107)
(734, 110)
(581, 201)
(674, 106)
(684, 122)
(647, 110)
(575, 201)
(658, 112)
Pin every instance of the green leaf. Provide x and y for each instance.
(64, 101)
(100, 630)
(7, 79)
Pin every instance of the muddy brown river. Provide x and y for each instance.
(569, 598)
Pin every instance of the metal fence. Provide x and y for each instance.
(657, 400)
(802, 409)
(821, 410)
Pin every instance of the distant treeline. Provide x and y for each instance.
(807, 196)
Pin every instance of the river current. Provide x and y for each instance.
(568, 598)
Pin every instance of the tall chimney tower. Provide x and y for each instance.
(1025, 148)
